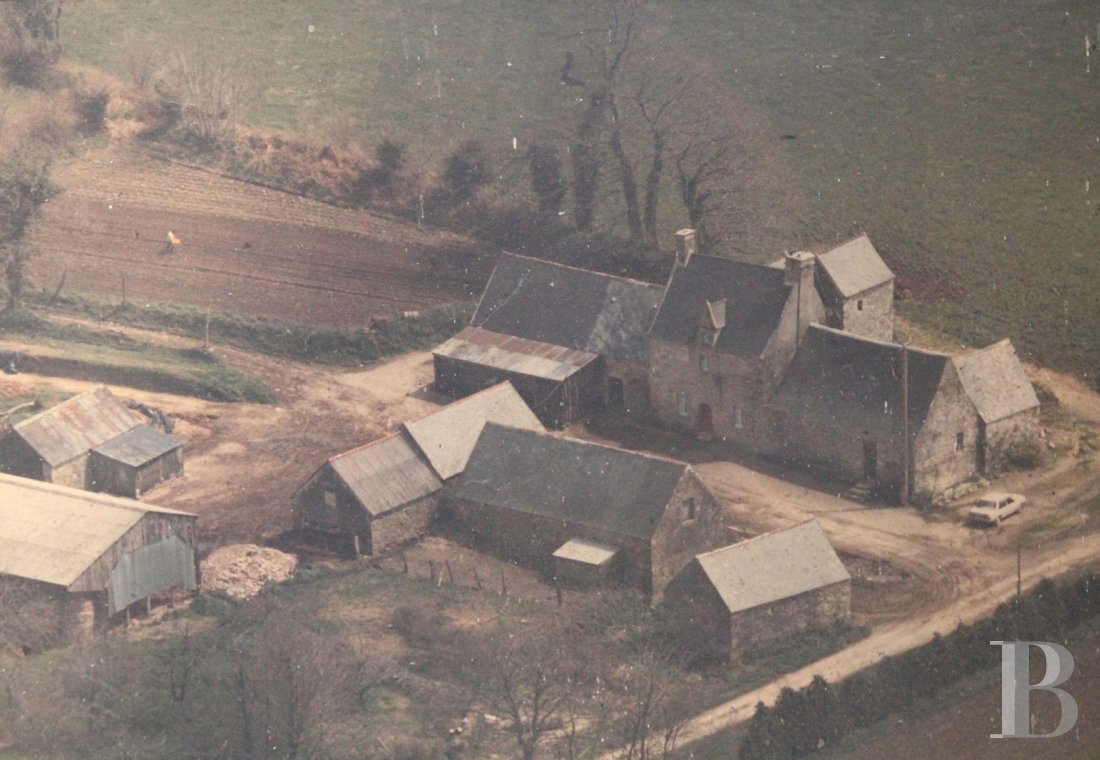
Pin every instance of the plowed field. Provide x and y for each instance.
(244, 248)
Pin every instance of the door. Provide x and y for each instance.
(870, 460)
(616, 397)
(704, 420)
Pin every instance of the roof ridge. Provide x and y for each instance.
(770, 533)
(598, 444)
(462, 400)
(881, 343)
(110, 500)
(582, 270)
(357, 449)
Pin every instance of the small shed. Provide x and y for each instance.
(561, 385)
(106, 549)
(858, 289)
(585, 564)
(759, 590)
(134, 462)
(1008, 408)
(373, 497)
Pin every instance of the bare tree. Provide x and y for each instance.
(24, 186)
(30, 40)
(653, 707)
(709, 159)
(209, 90)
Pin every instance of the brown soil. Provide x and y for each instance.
(244, 248)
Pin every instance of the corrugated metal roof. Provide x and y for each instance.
(995, 381)
(755, 296)
(385, 474)
(565, 306)
(837, 376)
(586, 552)
(578, 482)
(53, 533)
(447, 437)
(138, 446)
(518, 355)
(855, 267)
(76, 426)
(773, 566)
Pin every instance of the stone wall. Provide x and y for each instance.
(73, 473)
(814, 609)
(1018, 432)
(635, 379)
(679, 537)
(871, 313)
(400, 526)
(939, 461)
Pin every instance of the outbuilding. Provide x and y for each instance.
(756, 591)
(104, 552)
(134, 462)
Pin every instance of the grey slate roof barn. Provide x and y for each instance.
(1007, 406)
(895, 417)
(524, 494)
(57, 446)
(756, 591)
(111, 550)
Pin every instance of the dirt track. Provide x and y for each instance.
(245, 249)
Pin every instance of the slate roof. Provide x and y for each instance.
(385, 474)
(138, 446)
(772, 567)
(447, 437)
(519, 355)
(855, 267)
(76, 426)
(53, 533)
(836, 376)
(995, 381)
(755, 296)
(566, 479)
(565, 306)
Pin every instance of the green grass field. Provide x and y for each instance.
(959, 135)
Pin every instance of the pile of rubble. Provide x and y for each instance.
(241, 570)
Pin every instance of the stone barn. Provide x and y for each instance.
(540, 499)
(91, 441)
(373, 497)
(386, 493)
(561, 385)
(722, 337)
(754, 592)
(92, 550)
(578, 309)
(896, 419)
(858, 290)
(1008, 409)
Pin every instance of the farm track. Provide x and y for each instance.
(246, 249)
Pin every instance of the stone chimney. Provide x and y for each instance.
(799, 275)
(685, 246)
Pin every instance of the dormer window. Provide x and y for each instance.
(690, 505)
(710, 337)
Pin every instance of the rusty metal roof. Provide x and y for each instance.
(773, 566)
(74, 427)
(53, 533)
(138, 446)
(385, 474)
(447, 437)
(518, 355)
(995, 381)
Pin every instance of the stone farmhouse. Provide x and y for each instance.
(759, 590)
(92, 441)
(590, 511)
(565, 367)
(93, 555)
(386, 493)
(793, 360)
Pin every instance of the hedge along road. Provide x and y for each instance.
(242, 248)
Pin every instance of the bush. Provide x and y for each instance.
(91, 111)
(466, 171)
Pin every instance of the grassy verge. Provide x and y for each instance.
(273, 337)
(88, 354)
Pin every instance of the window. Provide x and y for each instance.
(330, 498)
(738, 420)
(704, 363)
(959, 439)
(690, 505)
(859, 305)
(682, 404)
(710, 337)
